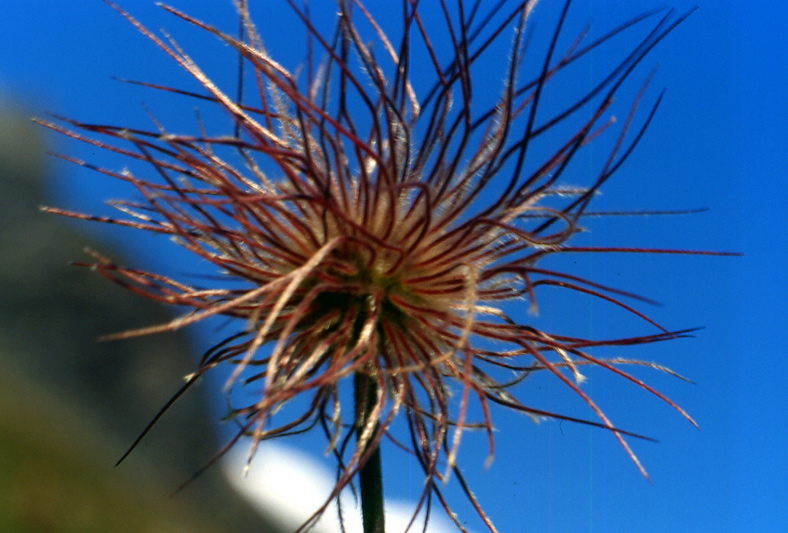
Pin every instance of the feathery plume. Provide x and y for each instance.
(373, 227)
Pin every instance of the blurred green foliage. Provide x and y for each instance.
(69, 406)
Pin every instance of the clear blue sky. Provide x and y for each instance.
(718, 141)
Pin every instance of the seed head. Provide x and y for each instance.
(366, 225)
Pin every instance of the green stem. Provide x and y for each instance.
(370, 476)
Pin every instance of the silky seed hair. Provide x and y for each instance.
(364, 224)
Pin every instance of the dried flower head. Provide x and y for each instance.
(365, 225)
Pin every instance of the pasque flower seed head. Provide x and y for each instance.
(368, 225)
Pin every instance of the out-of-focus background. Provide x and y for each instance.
(69, 406)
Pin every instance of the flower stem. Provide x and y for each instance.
(370, 476)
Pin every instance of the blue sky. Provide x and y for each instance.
(718, 141)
